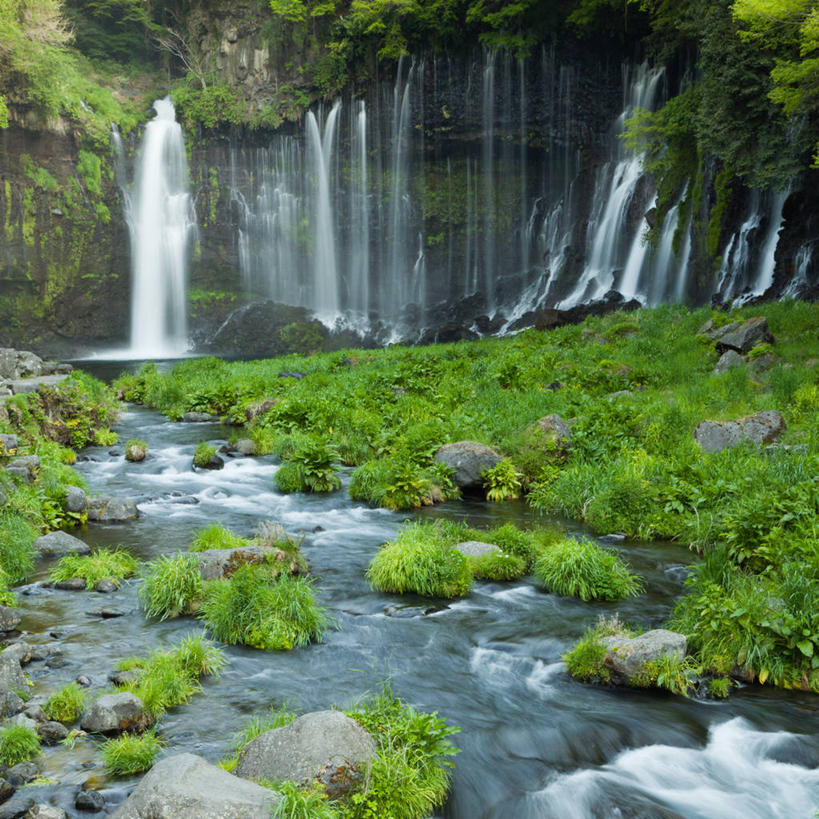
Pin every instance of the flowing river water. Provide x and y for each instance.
(534, 743)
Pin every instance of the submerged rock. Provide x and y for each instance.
(762, 428)
(627, 655)
(185, 786)
(56, 544)
(325, 746)
(469, 460)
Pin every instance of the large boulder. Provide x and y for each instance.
(746, 336)
(75, 499)
(55, 544)
(762, 428)
(468, 460)
(185, 786)
(627, 655)
(112, 713)
(325, 746)
(728, 361)
(111, 510)
(12, 677)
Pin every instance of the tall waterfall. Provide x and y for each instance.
(161, 221)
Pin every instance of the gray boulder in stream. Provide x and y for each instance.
(468, 460)
(627, 655)
(111, 510)
(55, 544)
(115, 712)
(185, 786)
(325, 746)
(12, 677)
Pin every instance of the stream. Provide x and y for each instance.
(534, 743)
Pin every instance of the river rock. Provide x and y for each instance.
(24, 720)
(55, 544)
(135, 453)
(21, 773)
(20, 651)
(218, 563)
(469, 460)
(11, 674)
(52, 732)
(185, 786)
(88, 799)
(764, 427)
(199, 417)
(105, 509)
(244, 446)
(8, 444)
(71, 584)
(475, 548)
(115, 712)
(627, 655)
(9, 618)
(43, 811)
(18, 363)
(26, 385)
(75, 499)
(215, 462)
(10, 703)
(728, 361)
(106, 586)
(747, 336)
(324, 746)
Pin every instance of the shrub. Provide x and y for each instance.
(417, 561)
(203, 454)
(216, 536)
(582, 569)
(502, 482)
(171, 586)
(130, 754)
(103, 564)
(66, 705)
(253, 608)
(18, 744)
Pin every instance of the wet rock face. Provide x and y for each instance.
(324, 746)
(185, 786)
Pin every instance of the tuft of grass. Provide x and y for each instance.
(171, 586)
(254, 608)
(16, 551)
(302, 803)
(216, 536)
(66, 705)
(103, 564)
(18, 744)
(130, 754)
(720, 687)
(203, 453)
(497, 566)
(585, 660)
(417, 561)
(582, 569)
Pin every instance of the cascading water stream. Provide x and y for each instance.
(162, 223)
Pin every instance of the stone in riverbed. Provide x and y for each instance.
(325, 746)
(111, 713)
(11, 675)
(56, 544)
(135, 453)
(21, 651)
(244, 446)
(9, 618)
(475, 548)
(43, 811)
(218, 563)
(52, 732)
(627, 655)
(71, 584)
(106, 509)
(469, 460)
(106, 586)
(185, 786)
(21, 773)
(75, 499)
(199, 417)
(10, 704)
(88, 799)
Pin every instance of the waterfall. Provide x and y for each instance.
(162, 223)
(802, 263)
(360, 222)
(325, 279)
(489, 192)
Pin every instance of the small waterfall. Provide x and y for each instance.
(489, 192)
(360, 222)
(325, 278)
(162, 223)
(801, 263)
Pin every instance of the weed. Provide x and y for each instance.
(18, 743)
(171, 586)
(203, 454)
(130, 754)
(66, 705)
(103, 564)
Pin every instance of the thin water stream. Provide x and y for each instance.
(534, 743)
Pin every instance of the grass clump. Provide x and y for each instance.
(130, 754)
(171, 586)
(216, 536)
(171, 677)
(18, 743)
(497, 566)
(103, 564)
(203, 454)
(418, 561)
(66, 705)
(585, 660)
(16, 550)
(303, 803)
(582, 569)
(255, 608)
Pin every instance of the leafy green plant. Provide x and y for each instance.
(171, 586)
(584, 661)
(582, 569)
(18, 743)
(502, 482)
(309, 469)
(103, 564)
(66, 705)
(255, 609)
(130, 754)
(719, 687)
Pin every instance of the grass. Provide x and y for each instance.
(254, 608)
(16, 550)
(18, 743)
(216, 536)
(585, 660)
(168, 678)
(130, 754)
(582, 569)
(497, 566)
(103, 564)
(633, 466)
(66, 705)
(203, 454)
(171, 586)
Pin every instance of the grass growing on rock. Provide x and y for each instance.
(262, 608)
(216, 536)
(167, 678)
(171, 586)
(66, 704)
(203, 454)
(583, 569)
(104, 564)
(18, 743)
(634, 388)
(130, 754)
(584, 661)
